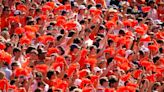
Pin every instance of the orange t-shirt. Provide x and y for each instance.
(161, 14)
(4, 22)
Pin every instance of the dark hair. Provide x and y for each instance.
(93, 26)
(112, 80)
(38, 74)
(6, 8)
(77, 40)
(29, 49)
(110, 42)
(16, 50)
(100, 35)
(122, 32)
(12, 82)
(38, 19)
(62, 31)
(63, 12)
(50, 90)
(141, 52)
(59, 37)
(102, 80)
(96, 44)
(62, 50)
(82, 22)
(156, 58)
(28, 18)
(89, 6)
(50, 73)
(72, 88)
(87, 30)
(71, 33)
(98, 5)
(161, 50)
(8, 44)
(31, 22)
(109, 60)
(38, 90)
(41, 83)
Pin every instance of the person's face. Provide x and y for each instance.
(107, 55)
(106, 84)
(17, 54)
(75, 9)
(101, 31)
(130, 57)
(93, 51)
(75, 50)
(14, 67)
(38, 79)
(34, 56)
(68, 60)
(152, 5)
(114, 85)
(6, 12)
(9, 49)
(31, 11)
(82, 11)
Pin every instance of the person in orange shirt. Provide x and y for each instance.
(6, 13)
(160, 11)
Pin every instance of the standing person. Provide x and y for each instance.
(153, 14)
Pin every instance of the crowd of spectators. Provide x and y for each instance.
(82, 46)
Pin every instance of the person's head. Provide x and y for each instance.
(51, 74)
(38, 76)
(104, 82)
(156, 86)
(6, 11)
(61, 50)
(68, 59)
(17, 52)
(113, 81)
(34, 54)
(39, 21)
(151, 3)
(93, 49)
(8, 48)
(41, 54)
(41, 85)
(98, 6)
(5, 34)
(82, 9)
(101, 29)
(14, 65)
(110, 42)
(74, 48)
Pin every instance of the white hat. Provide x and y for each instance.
(127, 53)
(82, 7)
(144, 49)
(97, 69)
(77, 82)
(17, 12)
(157, 22)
